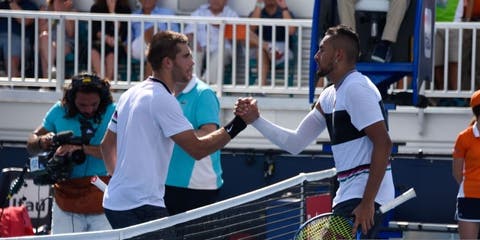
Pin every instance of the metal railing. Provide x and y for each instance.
(239, 77)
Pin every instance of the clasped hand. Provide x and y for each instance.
(247, 109)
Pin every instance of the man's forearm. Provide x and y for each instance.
(377, 172)
(92, 150)
(34, 144)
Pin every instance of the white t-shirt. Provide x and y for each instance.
(356, 104)
(201, 29)
(147, 116)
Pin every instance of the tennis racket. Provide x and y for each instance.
(331, 227)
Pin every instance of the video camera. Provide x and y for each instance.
(47, 168)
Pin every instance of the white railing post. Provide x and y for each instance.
(220, 64)
(60, 59)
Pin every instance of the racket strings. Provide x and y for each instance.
(327, 228)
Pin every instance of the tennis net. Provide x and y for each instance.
(272, 212)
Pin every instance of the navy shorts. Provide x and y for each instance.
(468, 209)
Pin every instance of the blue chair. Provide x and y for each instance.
(384, 74)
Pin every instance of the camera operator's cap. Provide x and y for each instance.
(475, 99)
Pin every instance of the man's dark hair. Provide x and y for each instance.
(86, 83)
(164, 44)
(344, 37)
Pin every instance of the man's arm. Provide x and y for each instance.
(293, 141)
(256, 13)
(206, 129)
(14, 6)
(286, 14)
(92, 150)
(108, 149)
(382, 145)
(200, 147)
(39, 141)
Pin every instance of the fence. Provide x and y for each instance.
(241, 76)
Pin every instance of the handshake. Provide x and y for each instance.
(246, 108)
(246, 112)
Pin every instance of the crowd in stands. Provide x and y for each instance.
(15, 37)
(109, 41)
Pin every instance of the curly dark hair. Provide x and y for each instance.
(86, 83)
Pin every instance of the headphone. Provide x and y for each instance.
(86, 79)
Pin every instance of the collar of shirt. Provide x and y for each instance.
(476, 133)
(190, 85)
(344, 77)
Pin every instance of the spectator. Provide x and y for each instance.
(140, 43)
(85, 109)
(352, 111)
(452, 11)
(138, 157)
(57, 6)
(214, 8)
(466, 171)
(276, 9)
(396, 12)
(16, 35)
(191, 184)
(111, 41)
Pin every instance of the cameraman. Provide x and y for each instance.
(85, 109)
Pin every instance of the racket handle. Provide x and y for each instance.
(95, 180)
(409, 194)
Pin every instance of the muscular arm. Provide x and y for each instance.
(206, 129)
(382, 145)
(200, 147)
(108, 149)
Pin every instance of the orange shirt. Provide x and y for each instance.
(467, 147)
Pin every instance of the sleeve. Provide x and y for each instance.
(293, 141)
(112, 125)
(208, 110)
(363, 105)
(169, 116)
(50, 117)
